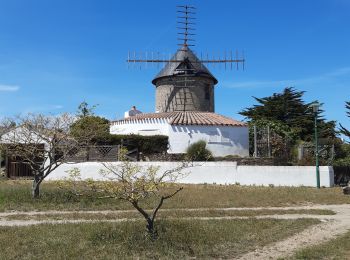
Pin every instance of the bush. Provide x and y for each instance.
(198, 152)
(342, 155)
(342, 162)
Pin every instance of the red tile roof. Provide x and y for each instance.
(188, 118)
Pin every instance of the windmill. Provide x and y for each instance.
(185, 83)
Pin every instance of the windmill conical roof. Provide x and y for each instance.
(182, 57)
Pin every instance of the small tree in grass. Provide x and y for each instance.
(42, 142)
(132, 183)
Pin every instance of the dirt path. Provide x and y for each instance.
(32, 213)
(335, 225)
(331, 226)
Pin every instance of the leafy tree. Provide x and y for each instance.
(90, 130)
(342, 155)
(287, 107)
(85, 110)
(290, 109)
(343, 130)
(90, 126)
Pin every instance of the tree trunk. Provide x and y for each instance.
(150, 220)
(36, 187)
(151, 231)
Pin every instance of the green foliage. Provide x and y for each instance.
(145, 144)
(198, 152)
(85, 110)
(91, 130)
(95, 130)
(342, 155)
(342, 162)
(290, 110)
(343, 130)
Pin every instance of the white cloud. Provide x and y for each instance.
(339, 72)
(280, 83)
(255, 84)
(42, 109)
(9, 88)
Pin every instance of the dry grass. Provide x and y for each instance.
(15, 195)
(180, 239)
(338, 248)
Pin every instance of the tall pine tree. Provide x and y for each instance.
(343, 130)
(290, 109)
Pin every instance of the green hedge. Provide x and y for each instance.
(145, 144)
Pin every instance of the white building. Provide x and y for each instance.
(186, 110)
(223, 135)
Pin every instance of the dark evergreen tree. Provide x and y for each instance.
(343, 130)
(290, 109)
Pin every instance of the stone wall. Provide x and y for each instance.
(198, 96)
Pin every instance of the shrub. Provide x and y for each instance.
(198, 152)
(342, 162)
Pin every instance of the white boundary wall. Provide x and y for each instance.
(221, 173)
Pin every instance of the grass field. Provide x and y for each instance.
(178, 239)
(338, 248)
(15, 195)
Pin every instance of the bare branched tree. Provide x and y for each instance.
(42, 142)
(135, 184)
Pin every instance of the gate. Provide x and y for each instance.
(17, 168)
(341, 175)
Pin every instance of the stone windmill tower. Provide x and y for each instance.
(185, 84)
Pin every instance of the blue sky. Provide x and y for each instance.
(56, 53)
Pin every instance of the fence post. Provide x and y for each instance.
(300, 152)
(268, 142)
(255, 142)
(118, 152)
(0, 162)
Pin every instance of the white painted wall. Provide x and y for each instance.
(222, 173)
(284, 175)
(140, 127)
(221, 140)
(22, 135)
